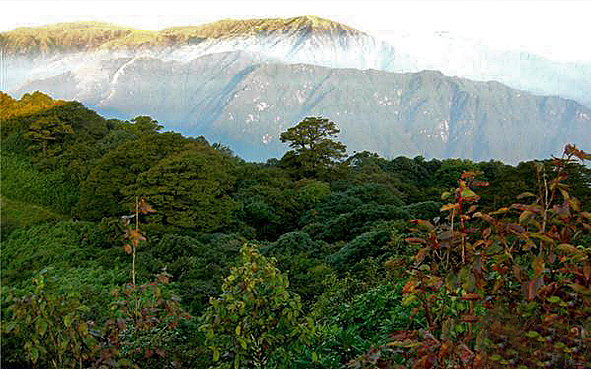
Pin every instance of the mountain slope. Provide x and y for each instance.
(36, 53)
(245, 101)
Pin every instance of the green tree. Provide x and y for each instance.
(190, 188)
(255, 315)
(315, 152)
(46, 130)
(142, 125)
(103, 192)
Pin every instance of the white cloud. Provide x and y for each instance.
(555, 29)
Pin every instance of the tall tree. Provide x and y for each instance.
(314, 150)
(46, 130)
(104, 192)
(190, 188)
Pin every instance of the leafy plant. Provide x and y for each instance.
(254, 316)
(509, 288)
(144, 321)
(51, 327)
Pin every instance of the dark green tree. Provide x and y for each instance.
(46, 134)
(315, 152)
(104, 193)
(191, 188)
(142, 125)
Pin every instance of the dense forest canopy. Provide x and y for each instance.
(309, 260)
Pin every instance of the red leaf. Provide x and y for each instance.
(517, 272)
(532, 287)
(516, 228)
(163, 279)
(145, 208)
(409, 286)
(587, 270)
(486, 217)
(466, 355)
(415, 240)
(423, 224)
(420, 256)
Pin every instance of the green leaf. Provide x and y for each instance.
(9, 327)
(532, 334)
(496, 357)
(554, 299)
(124, 363)
(68, 320)
(34, 354)
(216, 353)
(525, 194)
(542, 237)
(41, 326)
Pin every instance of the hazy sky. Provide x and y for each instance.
(559, 30)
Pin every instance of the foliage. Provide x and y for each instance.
(468, 269)
(300, 257)
(267, 200)
(255, 315)
(17, 214)
(141, 126)
(103, 193)
(523, 264)
(424, 209)
(62, 245)
(315, 152)
(28, 104)
(21, 181)
(368, 244)
(190, 189)
(45, 131)
(51, 327)
(142, 332)
(347, 226)
(311, 192)
(352, 325)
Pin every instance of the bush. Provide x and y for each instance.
(63, 245)
(255, 315)
(369, 244)
(349, 325)
(21, 181)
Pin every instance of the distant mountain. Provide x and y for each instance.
(245, 101)
(36, 53)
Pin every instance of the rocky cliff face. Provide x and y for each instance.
(245, 101)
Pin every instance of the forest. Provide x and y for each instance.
(123, 246)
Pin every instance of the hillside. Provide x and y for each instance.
(126, 246)
(245, 101)
(36, 53)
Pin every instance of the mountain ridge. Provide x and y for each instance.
(246, 102)
(304, 39)
(76, 36)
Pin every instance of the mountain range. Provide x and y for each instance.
(243, 82)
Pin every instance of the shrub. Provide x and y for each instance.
(255, 315)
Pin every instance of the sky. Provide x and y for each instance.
(555, 29)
